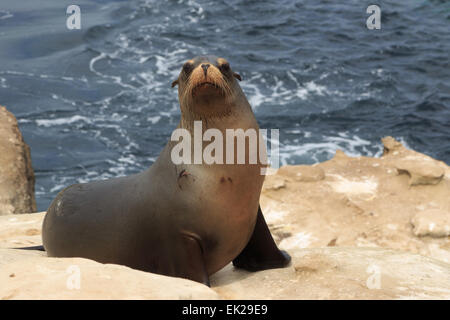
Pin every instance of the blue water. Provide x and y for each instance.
(96, 103)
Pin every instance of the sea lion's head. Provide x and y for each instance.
(207, 86)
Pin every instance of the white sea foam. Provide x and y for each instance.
(116, 79)
(61, 183)
(42, 76)
(3, 83)
(403, 142)
(196, 13)
(61, 121)
(169, 63)
(4, 14)
(58, 97)
(377, 72)
(129, 159)
(260, 90)
(154, 119)
(353, 146)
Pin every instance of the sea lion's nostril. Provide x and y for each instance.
(205, 68)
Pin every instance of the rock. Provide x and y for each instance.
(432, 222)
(8, 256)
(315, 273)
(302, 173)
(35, 276)
(341, 273)
(421, 172)
(76, 278)
(390, 145)
(21, 230)
(361, 202)
(16, 172)
(274, 183)
(356, 229)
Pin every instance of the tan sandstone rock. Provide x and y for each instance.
(30, 274)
(432, 222)
(16, 172)
(76, 278)
(315, 273)
(341, 273)
(363, 202)
(302, 173)
(21, 230)
(355, 227)
(421, 172)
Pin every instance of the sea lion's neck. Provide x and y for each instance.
(200, 130)
(222, 123)
(238, 115)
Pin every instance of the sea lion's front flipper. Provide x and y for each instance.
(261, 251)
(190, 263)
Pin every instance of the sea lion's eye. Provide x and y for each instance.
(187, 68)
(224, 67)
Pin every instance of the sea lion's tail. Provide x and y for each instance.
(39, 248)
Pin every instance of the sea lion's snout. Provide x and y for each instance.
(205, 67)
(206, 79)
(205, 71)
(207, 85)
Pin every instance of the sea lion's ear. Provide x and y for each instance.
(174, 83)
(237, 76)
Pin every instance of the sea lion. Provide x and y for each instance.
(182, 220)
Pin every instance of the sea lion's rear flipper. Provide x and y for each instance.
(189, 262)
(261, 251)
(39, 248)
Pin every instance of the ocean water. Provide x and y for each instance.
(97, 103)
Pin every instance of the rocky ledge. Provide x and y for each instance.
(357, 228)
(16, 172)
